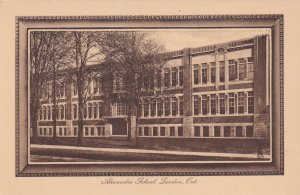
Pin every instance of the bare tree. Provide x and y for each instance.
(136, 61)
(86, 50)
(48, 54)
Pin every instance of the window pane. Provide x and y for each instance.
(226, 131)
(180, 131)
(205, 131)
(197, 131)
(238, 131)
(162, 131)
(155, 132)
(172, 131)
(217, 131)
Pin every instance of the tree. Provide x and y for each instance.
(48, 54)
(135, 61)
(86, 50)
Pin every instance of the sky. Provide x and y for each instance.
(179, 39)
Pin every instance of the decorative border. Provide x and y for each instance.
(25, 173)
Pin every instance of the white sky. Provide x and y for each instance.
(179, 39)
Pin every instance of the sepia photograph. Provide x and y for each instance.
(149, 95)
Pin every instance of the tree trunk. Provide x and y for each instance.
(34, 126)
(80, 140)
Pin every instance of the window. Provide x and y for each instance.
(166, 77)
(204, 73)
(75, 90)
(206, 131)
(155, 131)
(167, 106)
(162, 131)
(241, 102)
(158, 78)
(40, 114)
(100, 131)
(90, 110)
(232, 70)
(146, 108)
(49, 112)
(231, 103)
(97, 84)
(213, 102)
(180, 131)
(86, 131)
(196, 105)
(75, 131)
(172, 131)
(226, 131)
(65, 131)
(62, 91)
(217, 131)
(95, 111)
(180, 75)
(213, 72)
(45, 131)
(222, 103)
(117, 81)
(250, 102)
(146, 131)
(196, 74)
(41, 131)
(92, 131)
(222, 70)
(50, 131)
(44, 113)
(174, 106)
(249, 131)
(204, 105)
(153, 107)
(60, 131)
(239, 131)
(100, 110)
(159, 107)
(241, 69)
(140, 131)
(174, 77)
(121, 108)
(250, 68)
(62, 112)
(197, 131)
(181, 105)
(74, 111)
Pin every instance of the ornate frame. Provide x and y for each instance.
(275, 22)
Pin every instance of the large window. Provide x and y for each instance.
(196, 74)
(90, 110)
(174, 76)
(204, 104)
(232, 70)
(159, 107)
(180, 75)
(212, 72)
(205, 131)
(241, 102)
(146, 108)
(146, 131)
(217, 131)
(166, 77)
(74, 111)
(196, 105)
(153, 107)
(181, 105)
(239, 131)
(155, 131)
(226, 131)
(222, 103)
(213, 102)
(180, 131)
(250, 102)
(222, 70)
(95, 111)
(241, 69)
(204, 72)
(250, 68)
(174, 106)
(167, 106)
(121, 108)
(231, 103)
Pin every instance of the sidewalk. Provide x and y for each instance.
(143, 151)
